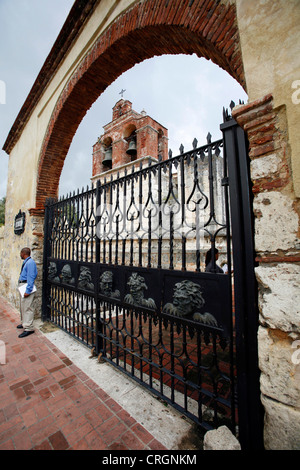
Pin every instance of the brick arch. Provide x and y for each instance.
(128, 130)
(207, 28)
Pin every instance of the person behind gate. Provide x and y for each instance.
(27, 276)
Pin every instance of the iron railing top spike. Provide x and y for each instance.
(170, 153)
(159, 157)
(224, 114)
(195, 143)
(208, 138)
(181, 149)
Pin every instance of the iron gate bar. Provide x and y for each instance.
(163, 370)
(111, 342)
(246, 308)
(67, 245)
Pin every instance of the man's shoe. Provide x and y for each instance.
(25, 333)
(20, 326)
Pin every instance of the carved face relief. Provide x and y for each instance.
(106, 285)
(187, 297)
(52, 270)
(187, 301)
(66, 274)
(137, 286)
(85, 279)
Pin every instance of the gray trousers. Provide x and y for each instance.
(26, 311)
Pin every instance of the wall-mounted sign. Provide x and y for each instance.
(19, 223)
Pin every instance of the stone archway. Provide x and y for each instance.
(209, 29)
(206, 28)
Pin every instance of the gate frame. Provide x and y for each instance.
(250, 408)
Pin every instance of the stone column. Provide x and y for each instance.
(36, 220)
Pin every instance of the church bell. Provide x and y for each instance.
(131, 148)
(107, 160)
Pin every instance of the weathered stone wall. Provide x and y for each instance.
(11, 262)
(270, 40)
(278, 273)
(1, 239)
(269, 35)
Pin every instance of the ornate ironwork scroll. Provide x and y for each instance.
(126, 276)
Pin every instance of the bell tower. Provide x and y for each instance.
(129, 137)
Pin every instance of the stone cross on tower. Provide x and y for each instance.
(122, 92)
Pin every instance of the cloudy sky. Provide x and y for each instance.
(184, 93)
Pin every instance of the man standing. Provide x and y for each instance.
(28, 276)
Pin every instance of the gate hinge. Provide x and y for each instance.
(225, 181)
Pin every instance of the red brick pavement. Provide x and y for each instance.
(48, 403)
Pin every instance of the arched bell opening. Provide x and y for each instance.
(107, 150)
(130, 137)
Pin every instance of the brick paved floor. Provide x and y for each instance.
(48, 403)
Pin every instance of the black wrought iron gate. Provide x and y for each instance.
(125, 273)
